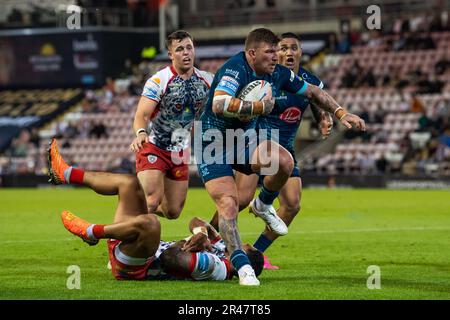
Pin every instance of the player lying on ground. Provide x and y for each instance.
(135, 249)
(285, 117)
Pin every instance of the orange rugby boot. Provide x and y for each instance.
(56, 164)
(77, 226)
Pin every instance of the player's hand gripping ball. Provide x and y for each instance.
(257, 90)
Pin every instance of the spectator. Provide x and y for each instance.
(442, 65)
(417, 105)
(98, 130)
(382, 164)
(366, 162)
(369, 79)
(20, 145)
(71, 131)
(34, 137)
(343, 45)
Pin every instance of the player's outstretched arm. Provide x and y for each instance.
(327, 103)
(228, 106)
(144, 111)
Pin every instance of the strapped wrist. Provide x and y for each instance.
(200, 230)
(340, 113)
(141, 130)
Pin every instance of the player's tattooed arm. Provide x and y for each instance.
(327, 103)
(316, 112)
(321, 99)
(229, 232)
(229, 106)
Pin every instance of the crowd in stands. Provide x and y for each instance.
(422, 110)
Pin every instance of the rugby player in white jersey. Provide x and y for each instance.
(171, 100)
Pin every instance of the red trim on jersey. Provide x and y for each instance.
(174, 75)
(174, 71)
(155, 112)
(228, 265)
(217, 239)
(193, 262)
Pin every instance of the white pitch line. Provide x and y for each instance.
(256, 233)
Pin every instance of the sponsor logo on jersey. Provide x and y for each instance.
(150, 92)
(156, 81)
(152, 158)
(291, 115)
(232, 72)
(225, 84)
(231, 80)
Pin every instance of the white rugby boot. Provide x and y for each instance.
(247, 276)
(270, 217)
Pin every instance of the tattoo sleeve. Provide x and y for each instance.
(316, 113)
(230, 234)
(246, 109)
(322, 99)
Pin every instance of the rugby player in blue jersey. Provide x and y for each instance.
(224, 111)
(285, 117)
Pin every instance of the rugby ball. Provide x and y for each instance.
(255, 91)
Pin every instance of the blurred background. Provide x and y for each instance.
(75, 70)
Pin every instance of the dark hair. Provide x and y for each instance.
(290, 35)
(175, 262)
(177, 35)
(259, 35)
(256, 260)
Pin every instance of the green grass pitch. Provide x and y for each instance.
(335, 238)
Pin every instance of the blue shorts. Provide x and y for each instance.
(218, 158)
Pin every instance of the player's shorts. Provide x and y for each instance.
(124, 267)
(234, 155)
(223, 165)
(174, 166)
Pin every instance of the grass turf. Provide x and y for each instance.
(335, 238)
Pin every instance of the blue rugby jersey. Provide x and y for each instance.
(234, 75)
(287, 113)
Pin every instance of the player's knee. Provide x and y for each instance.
(172, 214)
(153, 201)
(147, 224)
(286, 163)
(292, 209)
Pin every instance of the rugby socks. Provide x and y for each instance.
(239, 259)
(262, 243)
(266, 196)
(74, 175)
(96, 231)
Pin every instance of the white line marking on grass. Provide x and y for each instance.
(256, 233)
(37, 241)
